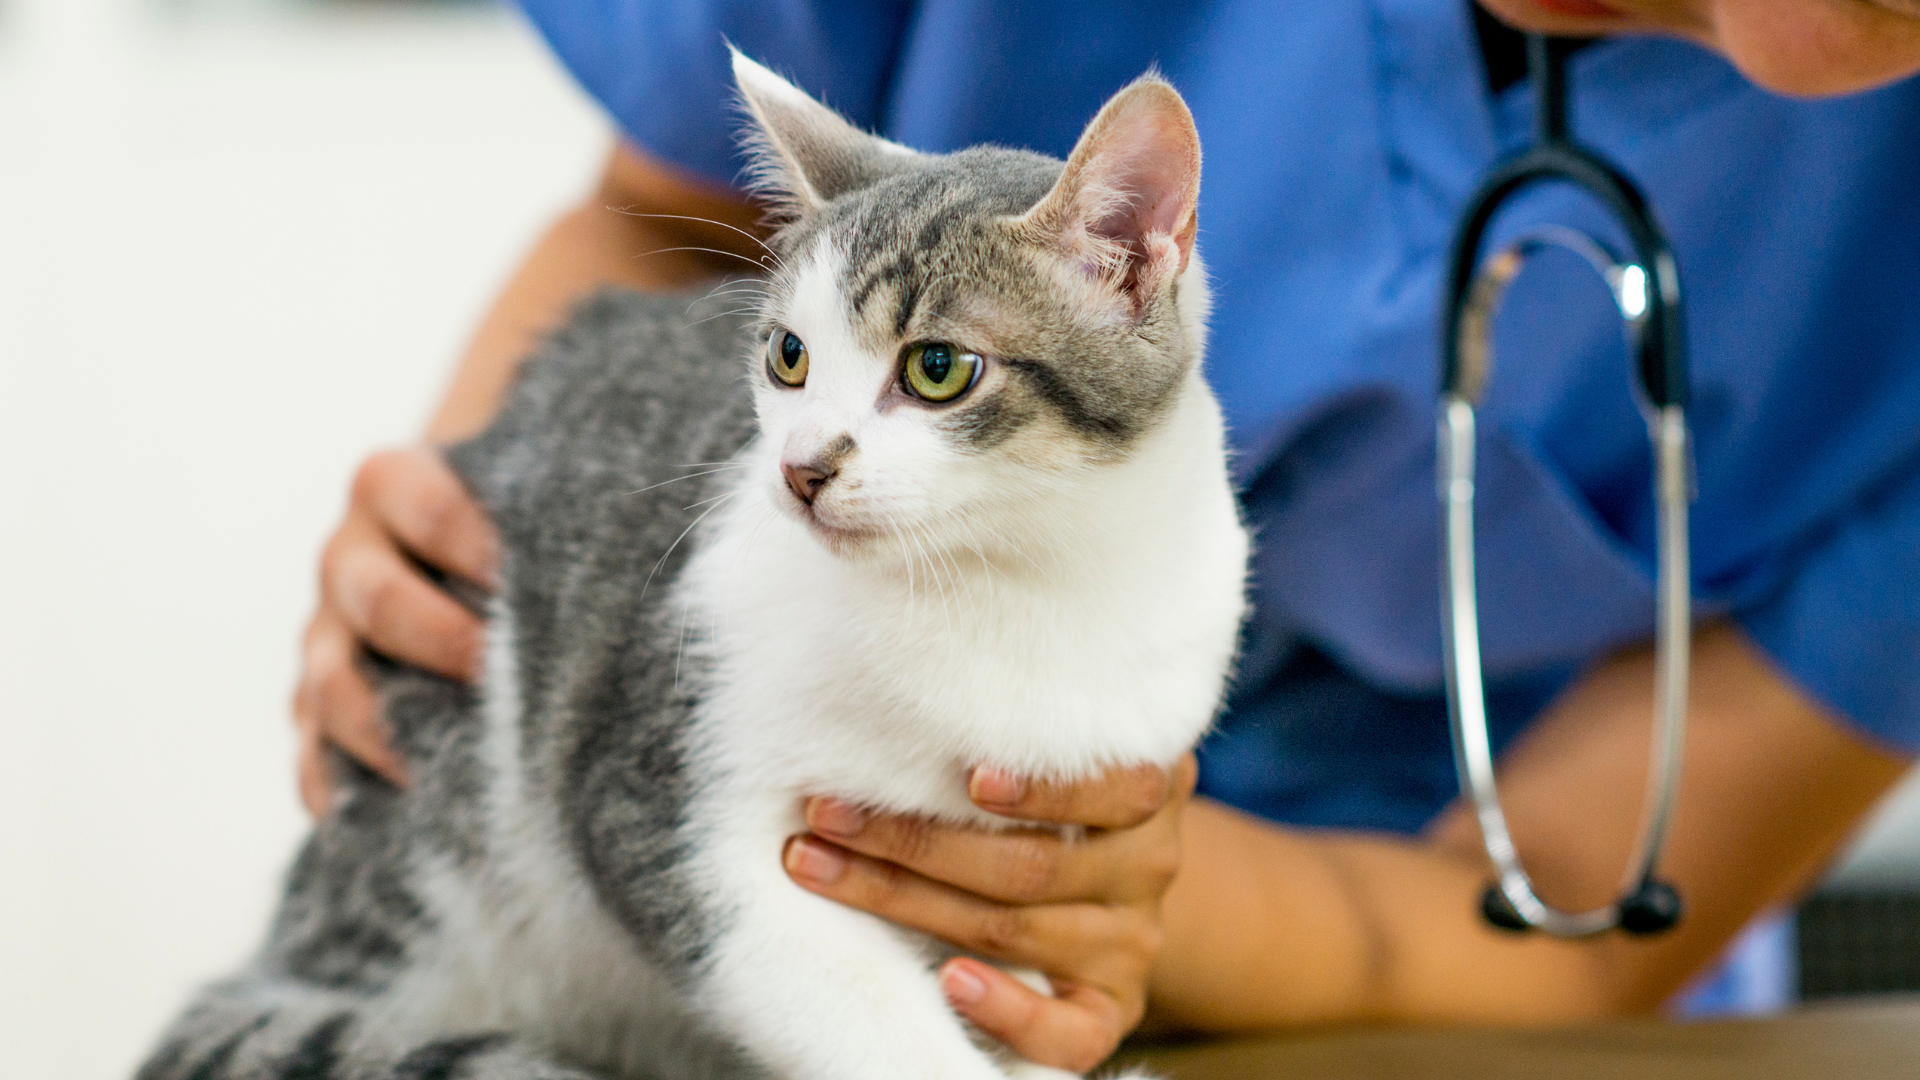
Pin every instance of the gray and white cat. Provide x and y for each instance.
(975, 510)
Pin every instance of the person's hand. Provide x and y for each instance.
(1084, 912)
(407, 509)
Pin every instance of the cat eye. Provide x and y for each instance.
(787, 358)
(937, 371)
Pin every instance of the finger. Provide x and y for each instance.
(1075, 1030)
(316, 788)
(316, 778)
(387, 602)
(1051, 937)
(416, 496)
(338, 703)
(1024, 866)
(1116, 799)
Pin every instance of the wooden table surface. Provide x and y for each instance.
(1864, 1040)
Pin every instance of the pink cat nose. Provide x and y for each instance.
(806, 480)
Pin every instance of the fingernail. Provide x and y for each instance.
(995, 787)
(962, 987)
(835, 818)
(815, 861)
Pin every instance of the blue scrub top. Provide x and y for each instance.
(1341, 141)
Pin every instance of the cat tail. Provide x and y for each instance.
(268, 1029)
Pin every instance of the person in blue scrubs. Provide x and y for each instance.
(1324, 872)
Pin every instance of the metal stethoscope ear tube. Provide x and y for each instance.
(1647, 291)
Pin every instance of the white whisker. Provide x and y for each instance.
(728, 296)
(703, 502)
(738, 288)
(722, 315)
(933, 572)
(732, 287)
(708, 221)
(675, 480)
(708, 250)
(644, 586)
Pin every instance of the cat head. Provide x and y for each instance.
(953, 345)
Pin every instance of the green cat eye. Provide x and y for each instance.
(787, 358)
(937, 371)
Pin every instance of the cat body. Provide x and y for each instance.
(894, 560)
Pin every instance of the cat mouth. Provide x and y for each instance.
(837, 537)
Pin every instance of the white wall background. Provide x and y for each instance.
(237, 251)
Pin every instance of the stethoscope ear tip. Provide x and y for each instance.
(1500, 912)
(1653, 908)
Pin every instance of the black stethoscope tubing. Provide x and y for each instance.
(1661, 351)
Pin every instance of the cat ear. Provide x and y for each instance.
(1126, 203)
(805, 154)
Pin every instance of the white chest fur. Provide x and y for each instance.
(1107, 642)
(884, 684)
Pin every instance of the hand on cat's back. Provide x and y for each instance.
(407, 510)
(1085, 912)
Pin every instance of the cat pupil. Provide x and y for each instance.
(937, 361)
(790, 349)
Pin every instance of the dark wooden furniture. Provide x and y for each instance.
(1859, 1040)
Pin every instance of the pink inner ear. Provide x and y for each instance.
(1151, 163)
(1124, 206)
(1138, 186)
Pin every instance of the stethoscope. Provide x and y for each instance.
(1647, 290)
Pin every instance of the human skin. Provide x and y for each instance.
(1224, 922)
(1801, 47)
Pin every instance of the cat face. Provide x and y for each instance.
(953, 343)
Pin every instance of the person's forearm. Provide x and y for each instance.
(1271, 927)
(606, 240)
